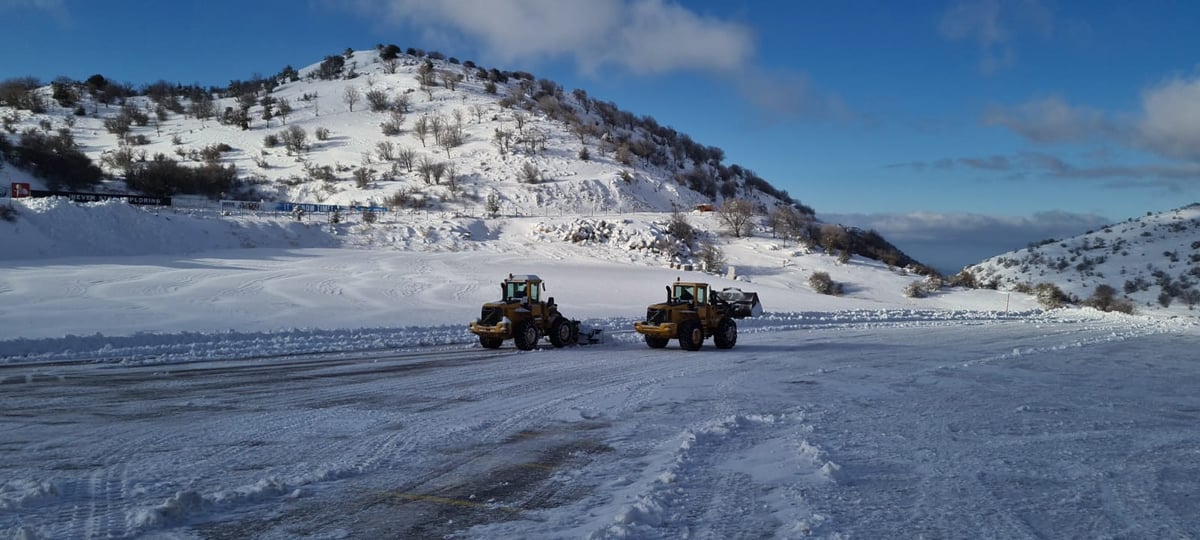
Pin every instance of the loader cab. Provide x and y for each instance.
(689, 293)
(523, 289)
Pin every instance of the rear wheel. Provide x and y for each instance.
(726, 336)
(490, 342)
(656, 343)
(561, 332)
(691, 336)
(525, 335)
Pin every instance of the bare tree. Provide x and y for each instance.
(834, 237)
(450, 138)
(503, 139)
(737, 215)
(421, 128)
(427, 78)
(535, 141)
(351, 96)
(285, 108)
(449, 80)
(789, 222)
(435, 126)
(401, 103)
(295, 139)
(426, 169)
(437, 170)
(407, 157)
(385, 150)
(378, 100)
(521, 119)
(583, 130)
(478, 110)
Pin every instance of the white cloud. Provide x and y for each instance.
(994, 26)
(1050, 119)
(55, 8)
(642, 36)
(42, 5)
(1170, 123)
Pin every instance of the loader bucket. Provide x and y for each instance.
(744, 303)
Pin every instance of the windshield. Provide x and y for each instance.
(520, 291)
(688, 293)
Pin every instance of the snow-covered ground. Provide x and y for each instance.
(255, 377)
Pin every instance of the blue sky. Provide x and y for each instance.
(992, 122)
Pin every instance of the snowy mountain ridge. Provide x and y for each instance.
(1153, 262)
(421, 131)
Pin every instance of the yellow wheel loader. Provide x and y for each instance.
(692, 312)
(523, 316)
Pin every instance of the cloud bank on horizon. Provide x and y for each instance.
(945, 240)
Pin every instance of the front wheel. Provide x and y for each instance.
(561, 332)
(726, 336)
(490, 342)
(691, 336)
(656, 343)
(525, 335)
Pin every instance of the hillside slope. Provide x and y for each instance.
(1154, 261)
(515, 138)
(403, 131)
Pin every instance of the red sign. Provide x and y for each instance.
(20, 190)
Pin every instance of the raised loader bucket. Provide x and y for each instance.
(744, 303)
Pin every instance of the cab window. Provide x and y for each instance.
(514, 291)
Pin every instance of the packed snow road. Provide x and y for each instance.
(896, 424)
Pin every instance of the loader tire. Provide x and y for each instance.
(656, 343)
(726, 336)
(490, 342)
(525, 335)
(691, 335)
(560, 332)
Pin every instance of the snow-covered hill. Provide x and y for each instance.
(526, 141)
(1154, 261)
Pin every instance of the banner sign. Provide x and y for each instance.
(20, 190)
(326, 208)
(252, 206)
(97, 197)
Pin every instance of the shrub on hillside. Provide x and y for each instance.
(56, 160)
(915, 289)
(680, 228)
(965, 278)
(822, 283)
(8, 213)
(1049, 296)
(1102, 298)
(712, 258)
(530, 174)
(163, 177)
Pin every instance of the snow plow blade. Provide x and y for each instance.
(591, 336)
(744, 303)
